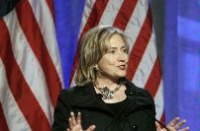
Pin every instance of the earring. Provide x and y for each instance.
(95, 68)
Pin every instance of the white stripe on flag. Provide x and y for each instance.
(87, 9)
(159, 101)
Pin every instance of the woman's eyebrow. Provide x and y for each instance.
(113, 47)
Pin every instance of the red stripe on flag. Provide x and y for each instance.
(124, 14)
(162, 119)
(140, 46)
(3, 123)
(93, 20)
(154, 79)
(18, 85)
(32, 32)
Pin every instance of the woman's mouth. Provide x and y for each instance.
(122, 67)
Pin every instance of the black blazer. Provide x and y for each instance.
(138, 114)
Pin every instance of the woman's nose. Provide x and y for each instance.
(122, 56)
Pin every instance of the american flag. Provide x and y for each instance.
(30, 70)
(30, 62)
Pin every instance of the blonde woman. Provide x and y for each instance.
(104, 100)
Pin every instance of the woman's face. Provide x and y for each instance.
(113, 64)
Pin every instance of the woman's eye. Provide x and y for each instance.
(125, 51)
(112, 52)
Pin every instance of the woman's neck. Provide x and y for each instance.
(111, 84)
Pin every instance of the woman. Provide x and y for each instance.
(104, 100)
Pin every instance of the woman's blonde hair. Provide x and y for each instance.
(93, 45)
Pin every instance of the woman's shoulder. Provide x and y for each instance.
(76, 95)
(131, 86)
(139, 92)
(76, 90)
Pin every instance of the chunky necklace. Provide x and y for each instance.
(106, 92)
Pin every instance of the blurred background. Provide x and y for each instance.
(177, 32)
